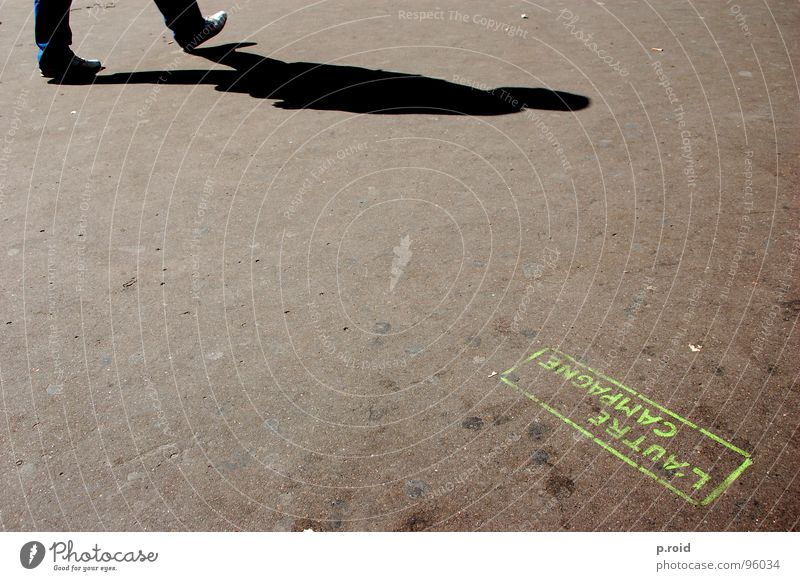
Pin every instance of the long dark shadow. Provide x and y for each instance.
(351, 89)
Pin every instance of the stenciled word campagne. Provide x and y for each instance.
(65, 553)
(699, 465)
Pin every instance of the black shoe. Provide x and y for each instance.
(214, 24)
(72, 68)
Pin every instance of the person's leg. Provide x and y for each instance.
(184, 19)
(53, 37)
(52, 32)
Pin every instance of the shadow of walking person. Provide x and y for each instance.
(351, 89)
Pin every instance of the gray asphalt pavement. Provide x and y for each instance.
(404, 266)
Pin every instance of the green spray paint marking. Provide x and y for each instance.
(699, 465)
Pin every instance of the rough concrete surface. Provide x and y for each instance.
(276, 286)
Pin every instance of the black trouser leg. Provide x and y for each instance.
(51, 28)
(183, 17)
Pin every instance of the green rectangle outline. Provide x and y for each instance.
(707, 500)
